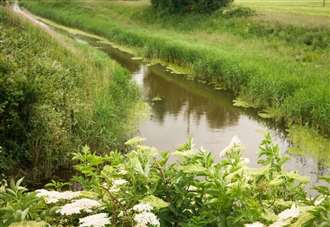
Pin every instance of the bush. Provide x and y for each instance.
(143, 188)
(186, 6)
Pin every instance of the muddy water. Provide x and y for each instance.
(181, 108)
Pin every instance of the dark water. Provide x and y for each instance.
(181, 108)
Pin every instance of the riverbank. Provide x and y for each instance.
(58, 95)
(281, 70)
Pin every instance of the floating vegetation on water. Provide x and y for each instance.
(239, 102)
(307, 141)
(268, 113)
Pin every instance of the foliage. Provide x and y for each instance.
(177, 6)
(144, 187)
(282, 68)
(17, 204)
(54, 100)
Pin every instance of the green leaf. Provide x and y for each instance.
(296, 176)
(302, 219)
(156, 202)
(192, 168)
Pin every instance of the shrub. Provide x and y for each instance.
(144, 188)
(186, 6)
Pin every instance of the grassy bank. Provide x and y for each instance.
(279, 68)
(57, 95)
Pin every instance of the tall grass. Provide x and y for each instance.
(55, 99)
(265, 71)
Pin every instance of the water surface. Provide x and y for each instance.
(181, 108)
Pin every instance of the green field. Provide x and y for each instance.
(299, 13)
(302, 7)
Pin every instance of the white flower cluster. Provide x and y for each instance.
(54, 196)
(142, 207)
(116, 185)
(96, 220)
(79, 205)
(144, 216)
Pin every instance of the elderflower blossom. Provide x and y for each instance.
(79, 205)
(146, 218)
(142, 207)
(256, 224)
(235, 142)
(96, 220)
(54, 196)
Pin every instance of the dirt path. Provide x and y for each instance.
(28, 16)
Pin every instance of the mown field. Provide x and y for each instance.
(299, 13)
(57, 95)
(302, 7)
(281, 69)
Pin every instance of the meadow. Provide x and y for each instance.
(300, 7)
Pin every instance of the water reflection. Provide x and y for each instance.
(182, 108)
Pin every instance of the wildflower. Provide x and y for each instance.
(96, 220)
(54, 196)
(146, 218)
(293, 212)
(142, 207)
(79, 205)
(235, 142)
(256, 224)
